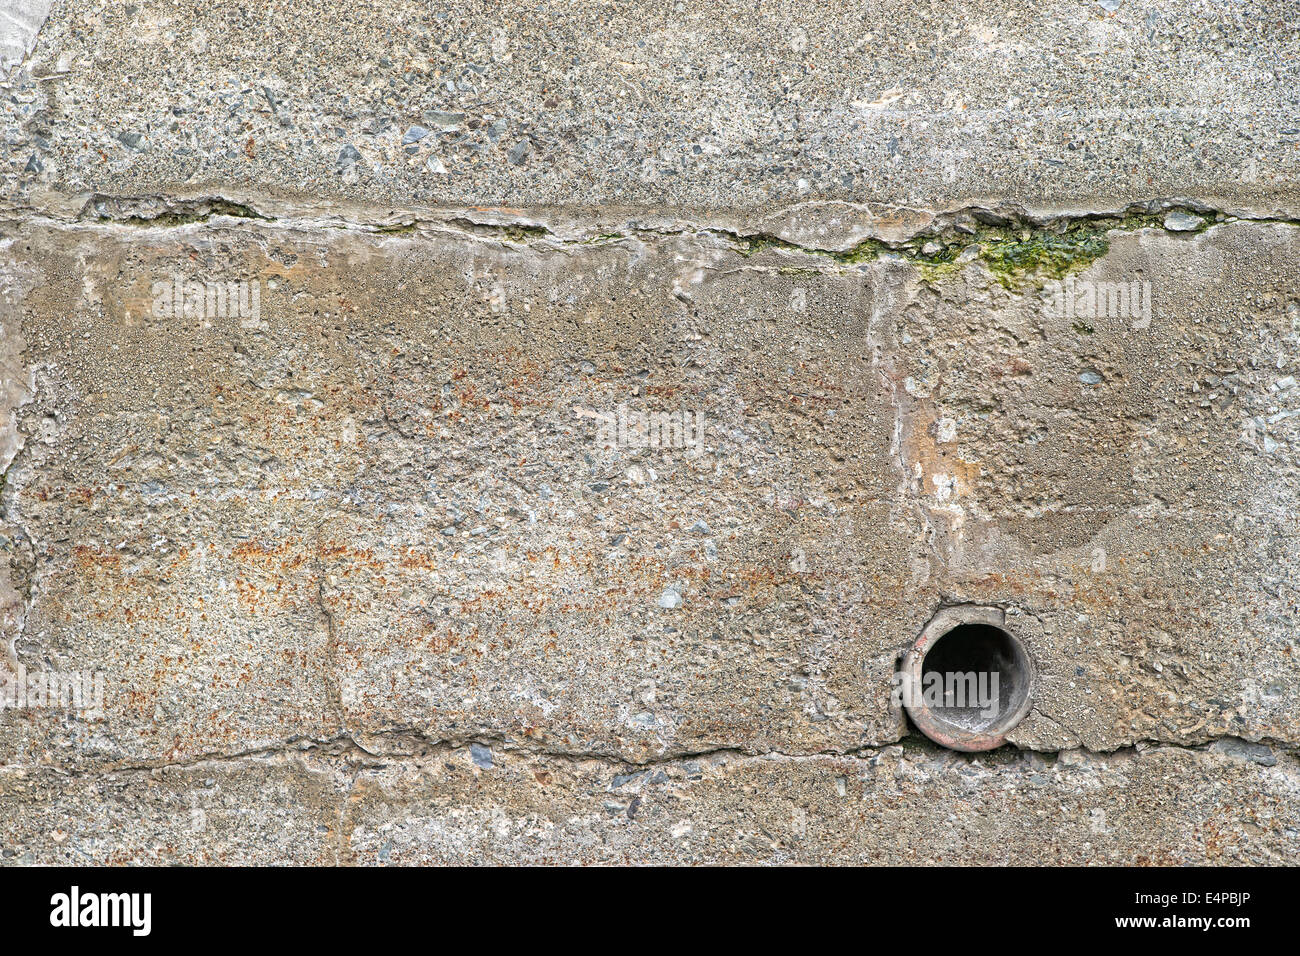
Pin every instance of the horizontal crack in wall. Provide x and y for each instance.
(417, 746)
(1012, 243)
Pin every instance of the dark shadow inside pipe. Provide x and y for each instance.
(980, 671)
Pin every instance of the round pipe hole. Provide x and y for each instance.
(968, 680)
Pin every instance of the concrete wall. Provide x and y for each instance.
(318, 322)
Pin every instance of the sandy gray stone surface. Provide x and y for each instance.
(332, 338)
(686, 104)
(900, 805)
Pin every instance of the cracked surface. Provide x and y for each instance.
(379, 511)
(333, 803)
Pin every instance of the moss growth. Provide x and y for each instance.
(507, 232)
(1013, 253)
(938, 271)
(753, 245)
(1135, 221)
(864, 251)
(917, 745)
(935, 266)
(947, 253)
(1052, 252)
(1041, 252)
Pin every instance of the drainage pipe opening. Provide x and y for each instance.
(968, 680)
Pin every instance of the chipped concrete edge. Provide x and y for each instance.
(20, 24)
(844, 232)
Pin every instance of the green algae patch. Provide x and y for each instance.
(935, 266)
(762, 242)
(938, 271)
(865, 251)
(1048, 252)
(1043, 253)
(1015, 253)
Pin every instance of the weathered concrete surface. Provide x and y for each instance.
(365, 578)
(1163, 806)
(381, 507)
(714, 104)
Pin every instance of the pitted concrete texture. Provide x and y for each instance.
(691, 104)
(335, 804)
(381, 504)
(439, 458)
